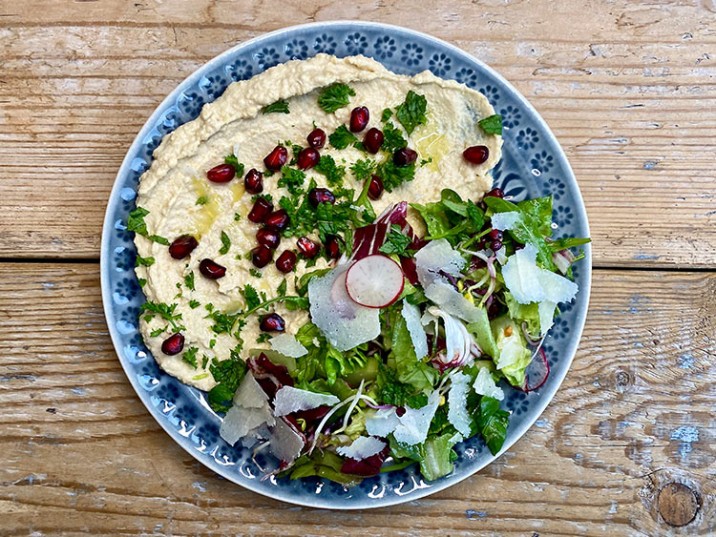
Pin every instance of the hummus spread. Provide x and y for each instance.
(179, 199)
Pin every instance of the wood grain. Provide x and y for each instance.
(80, 454)
(627, 88)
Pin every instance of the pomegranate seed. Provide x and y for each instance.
(321, 195)
(404, 157)
(268, 237)
(211, 269)
(286, 261)
(254, 181)
(223, 173)
(477, 154)
(495, 193)
(261, 256)
(174, 344)
(272, 322)
(495, 245)
(400, 411)
(333, 247)
(372, 140)
(375, 189)
(277, 220)
(276, 158)
(307, 158)
(261, 209)
(495, 235)
(359, 119)
(182, 246)
(317, 138)
(307, 247)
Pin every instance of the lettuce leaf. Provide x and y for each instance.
(492, 422)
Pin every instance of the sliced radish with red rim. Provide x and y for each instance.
(537, 372)
(375, 281)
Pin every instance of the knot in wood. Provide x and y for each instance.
(623, 380)
(678, 504)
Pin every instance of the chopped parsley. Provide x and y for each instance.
(189, 356)
(254, 272)
(395, 243)
(386, 115)
(334, 97)
(233, 161)
(363, 169)
(225, 243)
(228, 374)
(411, 113)
(334, 174)
(251, 296)
(281, 290)
(223, 322)
(204, 361)
(491, 124)
(142, 282)
(155, 333)
(144, 261)
(202, 200)
(237, 217)
(159, 240)
(292, 179)
(193, 304)
(279, 107)
(263, 338)
(212, 343)
(342, 138)
(135, 221)
(393, 176)
(189, 281)
(165, 311)
(392, 138)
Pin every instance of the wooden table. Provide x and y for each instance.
(627, 447)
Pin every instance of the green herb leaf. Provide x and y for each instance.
(254, 272)
(292, 179)
(228, 373)
(142, 282)
(193, 304)
(225, 243)
(334, 97)
(491, 124)
(165, 311)
(159, 240)
(567, 242)
(334, 174)
(202, 200)
(492, 422)
(342, 138)
(155, 333)
(395, 243)
(279, 107)
(386, 115)
(189, 356)
(281, 290)
(393, 176)
(412, 112)
(363, 169)
(251, 297)
(232, 160)
(223, 322)
(392, 138)
(189, 281)
(144, 261)
(135, 221)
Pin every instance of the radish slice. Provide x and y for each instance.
(375, 281)
(537, 372)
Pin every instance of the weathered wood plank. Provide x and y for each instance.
(629, 92)
(80, 454)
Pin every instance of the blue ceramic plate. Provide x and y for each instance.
(532, 165)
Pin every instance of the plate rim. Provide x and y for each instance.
(546, 397)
